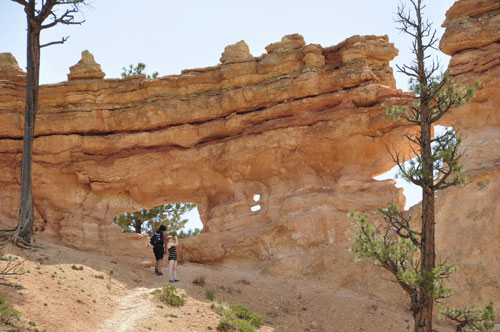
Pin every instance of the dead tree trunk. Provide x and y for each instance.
(35, 18)
(24, 228)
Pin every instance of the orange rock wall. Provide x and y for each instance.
(468, 216)
(302, 126)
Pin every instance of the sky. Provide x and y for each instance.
(169, 36)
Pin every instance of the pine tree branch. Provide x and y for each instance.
(388, 264)
(397, 160)
(437, 89)
(401, 226)
(440, 110)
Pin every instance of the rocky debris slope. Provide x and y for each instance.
(468, 216)
(302, 126)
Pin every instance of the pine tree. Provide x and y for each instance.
(137, 70)
(403, 247)
(144, 220)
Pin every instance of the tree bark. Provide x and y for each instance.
(423, 319)
(24, 228)
(138, 226)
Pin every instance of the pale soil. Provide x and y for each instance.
(57, 297)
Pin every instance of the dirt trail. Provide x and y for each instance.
(131, 309)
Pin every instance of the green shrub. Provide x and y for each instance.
(170, 294)
(74, 267)
(210, 293)
(10, 318)
(244, 326)
(200, 281)
(238, 318)
(218, 309)
(225, 324)
(242, 312)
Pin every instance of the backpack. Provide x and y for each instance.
(156, 239)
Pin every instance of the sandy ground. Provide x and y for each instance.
(68, 290)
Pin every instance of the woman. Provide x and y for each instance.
(172, 258)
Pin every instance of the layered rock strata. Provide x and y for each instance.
(468, 216)
(302, 126)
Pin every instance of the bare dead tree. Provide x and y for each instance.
(12, 268)
(39, 15)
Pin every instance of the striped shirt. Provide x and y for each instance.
(172, 253)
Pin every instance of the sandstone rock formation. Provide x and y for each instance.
(238, 51)
(9, 69)
(86, 68)
(302, 126)
(468, 217)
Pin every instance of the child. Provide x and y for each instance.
(172, 258)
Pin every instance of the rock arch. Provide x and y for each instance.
(302, 125)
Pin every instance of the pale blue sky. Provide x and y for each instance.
(173, 35)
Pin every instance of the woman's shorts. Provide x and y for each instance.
(159, 251)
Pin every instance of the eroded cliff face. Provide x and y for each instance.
(302, 126)
(468, 229)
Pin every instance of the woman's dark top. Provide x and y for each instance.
(159, 248)
(172, 253)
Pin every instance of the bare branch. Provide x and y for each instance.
(21, 2)
(407, 70)
(62, 41)
(415, 153)
(66, 19)
(413, 140)
(45, 11)
(397, 160)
